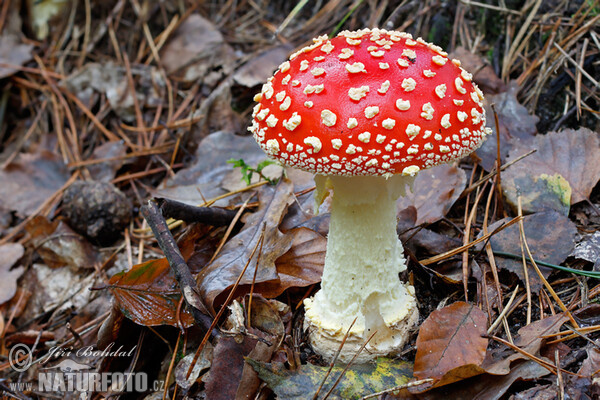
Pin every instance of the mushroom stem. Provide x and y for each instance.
(360, 278)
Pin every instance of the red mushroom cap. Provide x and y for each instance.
(370, 102)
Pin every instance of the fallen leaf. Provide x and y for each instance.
(202, 364)
(203, 179)
(9, 254)
(223, 272)
(516, 125)
(486, 386)
(260, 67)
(572, 154)
(588, 249)
(358, 381)
(433, 193)
(227, 366)
(550, 236)
(113, 153)
(13, 52)
(110, 79)
(195, 50)
(60, 246)
(498, 361)
(30, 180)
(149, 295)
(451, 345)
(591, 364)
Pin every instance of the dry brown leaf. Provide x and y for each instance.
(516, 125)
(60, 246)
(573, 154)
(451, 345)
(550, 236)
(196, 50)
(9, 254)
(260, 68)
(28, 181)
(529, 339)
(14, 53)
(223, 272)
(435, 190)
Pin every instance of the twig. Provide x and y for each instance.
(186, 281)
(214, 216)
(399, 387)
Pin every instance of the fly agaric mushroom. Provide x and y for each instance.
(365, 111)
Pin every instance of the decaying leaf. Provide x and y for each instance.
(572, 154)
(223, 272)
(588, 249)
(111, 80)
(202, 363)
(358, 381)
(12, 52)
(487, 386)
(451, 345)
(203, 179)
(260, 68)
(9, 254)
(550, 236)
(148, 295)
(60, 246)
(28, 181)
(196, 50)
(227, 366)
(498, 361)
(433, 192)
(516, 126)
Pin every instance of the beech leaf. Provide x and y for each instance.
(223, 272)
(572, 154)
(148, 295)
(358, 381)
(433, 193)
(451, 345)
(550, 236)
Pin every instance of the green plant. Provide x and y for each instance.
(248, 171)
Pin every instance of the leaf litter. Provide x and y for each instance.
(163, 113)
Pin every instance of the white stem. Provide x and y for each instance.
(364, 258)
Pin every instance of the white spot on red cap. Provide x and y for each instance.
(355, 67)
(440, 90)
(384, 87)
(286, 104)
(364, 137)
(328, 118)
(412, 131)
(336, 143)
(428, 73)
(388, 123)
(308, 104)
(303, 65)
(459, 85)
(346, 54)
(327, 47)
(272, 146)
(439, 60)
(384, 65)
(409, 84)
(272, 121)
(427, 111)
(402, 105)
(371, 111)
(358, 93)
(458, 102)
(410, 170)
(314, 142)
(293, 122)
(445, 122)
(462, 116)
(352, 123)
(317, 71)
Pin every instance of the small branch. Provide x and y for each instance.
(152, 213)
(207, 215)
